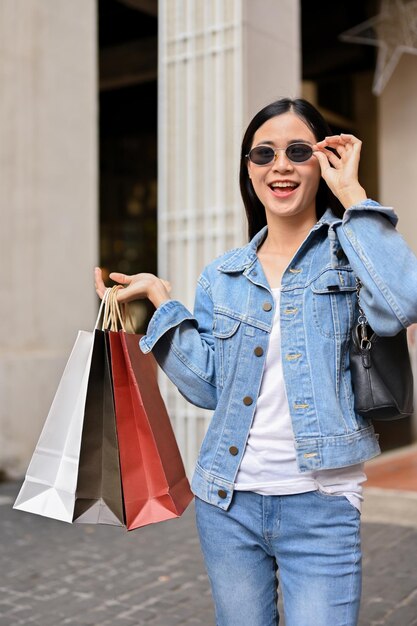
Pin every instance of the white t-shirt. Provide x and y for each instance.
(269, 465)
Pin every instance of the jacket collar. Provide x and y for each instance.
(244, 257)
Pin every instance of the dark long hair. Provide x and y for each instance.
(255, 211)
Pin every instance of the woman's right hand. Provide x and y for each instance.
(136, 287)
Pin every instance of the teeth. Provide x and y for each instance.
(283, 185)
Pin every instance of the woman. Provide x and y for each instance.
(278, 479)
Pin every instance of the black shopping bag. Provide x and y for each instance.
(99, 498)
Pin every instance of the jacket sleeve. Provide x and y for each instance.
(183, 345)
(384, 263)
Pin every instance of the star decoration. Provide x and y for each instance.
(393, 31)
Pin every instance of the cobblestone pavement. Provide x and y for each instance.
(55, 574)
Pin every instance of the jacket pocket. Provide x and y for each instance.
(225, 328)
(334, 301)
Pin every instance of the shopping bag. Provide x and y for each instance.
(155, 487)
(51, 479)
(99, 490)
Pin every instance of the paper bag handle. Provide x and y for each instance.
(102, 310)
(115, 314)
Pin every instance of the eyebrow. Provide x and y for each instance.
(272, 143)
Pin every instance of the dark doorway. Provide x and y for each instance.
(128, 140)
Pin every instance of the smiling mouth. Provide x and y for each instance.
(284, 187)
(284, 184)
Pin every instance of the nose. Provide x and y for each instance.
(281, 162)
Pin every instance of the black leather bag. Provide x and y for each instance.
(381, 372)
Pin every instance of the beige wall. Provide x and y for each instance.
(271, 52)
(398, 161)
(48, 191)
(397, 143)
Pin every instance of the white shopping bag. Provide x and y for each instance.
(51, 479)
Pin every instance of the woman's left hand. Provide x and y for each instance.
(341, 172)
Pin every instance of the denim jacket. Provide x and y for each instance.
(216, 356)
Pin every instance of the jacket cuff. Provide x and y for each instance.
(370, 205)
(170, 314)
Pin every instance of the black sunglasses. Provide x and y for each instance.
(295, 152)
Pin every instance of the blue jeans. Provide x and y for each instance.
(312, 539)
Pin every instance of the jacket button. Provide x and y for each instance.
(267, 306)
(233, 450)
(258, 351)
(340, 254)
(222, 494)
(247, 400)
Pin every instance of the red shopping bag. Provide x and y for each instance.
(155, 487)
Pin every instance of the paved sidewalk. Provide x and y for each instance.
(390, 538)
(55, 574)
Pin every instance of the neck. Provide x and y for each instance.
(285, 234)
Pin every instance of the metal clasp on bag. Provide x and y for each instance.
(366, 343)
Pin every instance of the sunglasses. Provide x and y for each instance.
(295, 152)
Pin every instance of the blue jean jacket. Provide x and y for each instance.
(216, 356)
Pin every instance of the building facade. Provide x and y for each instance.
(68, 203)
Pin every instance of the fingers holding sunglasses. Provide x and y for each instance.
(340, 171)
(342, 151)
(344, 144)
(332, 156)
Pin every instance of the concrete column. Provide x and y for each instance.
(48, 191)
(219, 62)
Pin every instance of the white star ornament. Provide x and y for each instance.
(393, 31)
